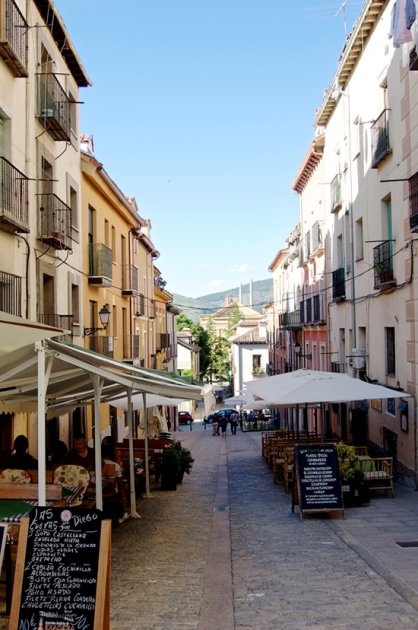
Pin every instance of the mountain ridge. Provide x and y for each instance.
(262, 293)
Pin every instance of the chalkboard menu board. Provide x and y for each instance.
(318, 478)
(59, 575)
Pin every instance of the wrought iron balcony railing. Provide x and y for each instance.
(59, 321)
(54, 107)
(413, 202)
(54, 222)
(338, 367)
(131, 347)
(130, 275)
(383, 265)
(100, 264)
(10, 294)
(338, 284)
(139, 305)
(102, 345)
(14, 206)
(290, 319)
(162, 341)
(13, 38)
(380, 138)
(336, 197)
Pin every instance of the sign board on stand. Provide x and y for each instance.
(318, 478)
(62, 577)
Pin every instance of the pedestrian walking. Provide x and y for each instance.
(215, 425)
(234, 422)
(224, 423)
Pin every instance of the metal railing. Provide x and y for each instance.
(338, 284)
(338, 367)
(14, 204)
(131, 347)
(130, 277)
(383, 265)
(10, 293)
(59, 321)
(336, 197)
(162, 341)
(380, 138)
(13, 38)
(290, 319)
(100, 264)
(102, 345)
(54, 107)
(54, 221)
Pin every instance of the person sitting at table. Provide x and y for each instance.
(115, 489)
(81, 454)
(20, 458)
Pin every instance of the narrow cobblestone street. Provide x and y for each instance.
(171, 568)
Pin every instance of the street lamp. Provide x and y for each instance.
(297, 350)
(104, 316)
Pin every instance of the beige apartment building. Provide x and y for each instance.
(40, 194)
(120, 313)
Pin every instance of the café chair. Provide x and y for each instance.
(72, 476)
(14, 475)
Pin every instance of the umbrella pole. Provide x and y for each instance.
(134, 513)
(147, 494)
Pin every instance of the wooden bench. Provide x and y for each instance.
(381, 478)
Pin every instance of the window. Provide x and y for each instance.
(413, 202)
(256, 363)
(359, 239)
(390, 350)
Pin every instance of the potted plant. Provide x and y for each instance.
(170, 465)
(354, 488)
(185, 461)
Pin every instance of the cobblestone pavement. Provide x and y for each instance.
(228, 522)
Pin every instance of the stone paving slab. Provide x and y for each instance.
(185, 565)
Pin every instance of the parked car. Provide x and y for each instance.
(185, 417)
(220, 413)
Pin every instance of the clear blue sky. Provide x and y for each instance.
(203, 111)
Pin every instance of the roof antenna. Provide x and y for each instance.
(342, 10)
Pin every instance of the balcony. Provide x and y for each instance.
(336, 197)
(131, 347)
(139, 305)
(13, 38)
(14, 208)
(383, 266)
(100, 265)
(10, 294)
(130, 277)
(338, 367)
(102, 345)
(162, 341)
(55, 222)
(152, 309)
(380, 138)
(59, 321)
(338, 284)
(290, 320)
(54, 107)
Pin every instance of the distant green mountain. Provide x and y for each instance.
(207, 304)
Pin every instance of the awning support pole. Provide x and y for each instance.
(134, 513)
(98, 387)
(147, 494)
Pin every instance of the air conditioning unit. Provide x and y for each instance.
(359, 358)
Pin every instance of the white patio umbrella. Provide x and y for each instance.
(16, 332)
(312, 386)
(237, 400)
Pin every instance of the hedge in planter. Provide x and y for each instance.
(170, 466)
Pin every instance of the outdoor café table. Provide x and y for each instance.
(365, 464)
